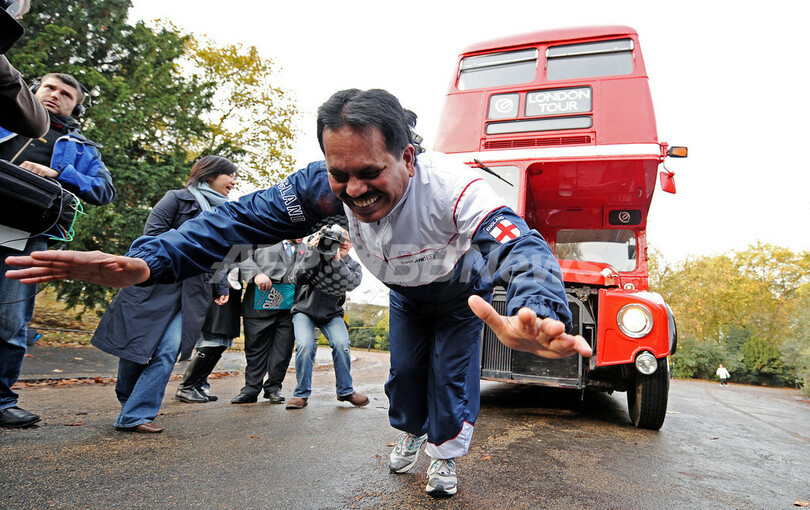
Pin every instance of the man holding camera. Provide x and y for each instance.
(323, 276)
(65, 155)
(267, 321)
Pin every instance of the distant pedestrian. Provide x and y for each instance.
(723, 374)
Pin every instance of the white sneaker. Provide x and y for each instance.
(405, 452)
(442, 480)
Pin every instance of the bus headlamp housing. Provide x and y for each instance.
(646, 363)
(635, 320)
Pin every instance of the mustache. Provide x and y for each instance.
(365, 196)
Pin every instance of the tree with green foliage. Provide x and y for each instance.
(151, 116)
(762, 357)
(252, 120)
(381, 332)
(796, 347)
(360, 334)
(737, 309)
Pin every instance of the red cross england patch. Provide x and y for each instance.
(503, 231)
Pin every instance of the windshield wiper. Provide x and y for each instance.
(488, 170)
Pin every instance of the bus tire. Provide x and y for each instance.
(647, 397)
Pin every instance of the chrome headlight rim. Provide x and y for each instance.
(634, 330)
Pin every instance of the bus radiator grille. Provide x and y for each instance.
(496, 358)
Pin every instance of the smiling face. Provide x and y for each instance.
(223, 183)
(57, 96)
(363, 174)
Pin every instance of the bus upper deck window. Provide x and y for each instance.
(498, 69)
(603, 58)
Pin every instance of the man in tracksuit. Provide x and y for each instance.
(429, 229)
(65, 155)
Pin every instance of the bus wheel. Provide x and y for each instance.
(647, 397)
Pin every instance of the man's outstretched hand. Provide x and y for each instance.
(527, 332)
(91, 266)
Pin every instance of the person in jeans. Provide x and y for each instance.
(147, 327)
(64, 154)
(321, 305)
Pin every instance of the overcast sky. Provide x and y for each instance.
(727, 81)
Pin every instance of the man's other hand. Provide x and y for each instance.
(91, 266)
(527, 332)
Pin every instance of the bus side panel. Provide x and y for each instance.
(456, 132)
(625, 113)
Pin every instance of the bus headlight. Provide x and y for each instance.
(646, 363)
(635, 320)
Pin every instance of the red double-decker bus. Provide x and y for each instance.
(561, 124)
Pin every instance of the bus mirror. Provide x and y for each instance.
(668, 181)
(677, 152)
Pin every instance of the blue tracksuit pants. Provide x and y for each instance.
(434, 383)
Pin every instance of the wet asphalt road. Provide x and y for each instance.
(739, 447)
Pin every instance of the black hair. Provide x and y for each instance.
(208, 167)
(369, 109)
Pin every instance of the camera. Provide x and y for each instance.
(31, 204)
(330, 238)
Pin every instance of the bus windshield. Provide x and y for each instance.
(603, 58)
(614, 247)
(498, 69)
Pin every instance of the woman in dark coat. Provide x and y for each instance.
(146, 327)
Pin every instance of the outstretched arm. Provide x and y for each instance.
(92, 266)
(527, 332)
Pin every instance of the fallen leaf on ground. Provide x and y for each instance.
(254, 437)
(799, 502)
(486, 457)
(29, 355)
(62, 382)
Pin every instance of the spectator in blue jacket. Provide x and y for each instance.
(65, 155)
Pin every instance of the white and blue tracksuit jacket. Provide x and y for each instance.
(448, 237)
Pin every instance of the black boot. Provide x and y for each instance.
(212, 355)
(187, 391)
